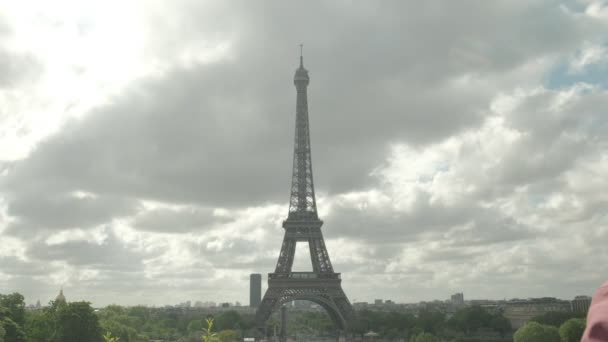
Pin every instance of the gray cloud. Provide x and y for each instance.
(50, 211)
(219, 135)
(110, 254)
(14, 266)
(177, 220)
(175, 138)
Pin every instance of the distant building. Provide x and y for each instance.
(580, 304)
(518, 312)
(457, 298)
(186, 304)
(378, 301)
(360, 305)
(255, 290)
(60, 299)
(225, 305)
(209, 304)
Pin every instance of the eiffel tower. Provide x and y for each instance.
(321, 286)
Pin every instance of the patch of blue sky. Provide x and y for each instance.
(562, 76)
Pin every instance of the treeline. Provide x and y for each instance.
(141, 324)
(430, 325)
(60, 322)
(470, 324)
(78, 322)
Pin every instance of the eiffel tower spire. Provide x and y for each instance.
(302, 204)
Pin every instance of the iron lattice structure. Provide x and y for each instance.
(322, 285)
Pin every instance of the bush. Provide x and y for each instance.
(425, 337)
(572, 330)
(536, 332)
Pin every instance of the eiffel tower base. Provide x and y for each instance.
(322, 289)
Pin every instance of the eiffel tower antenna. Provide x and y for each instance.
(321, 286)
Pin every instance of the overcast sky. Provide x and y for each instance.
(457, 146)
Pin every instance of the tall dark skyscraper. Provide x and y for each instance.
(255, 290)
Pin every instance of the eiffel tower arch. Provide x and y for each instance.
(321, 286)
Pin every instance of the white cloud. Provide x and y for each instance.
(150, 152)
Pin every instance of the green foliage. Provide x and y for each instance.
(76, 322)
(12, 317)
(431, 321)
(40, 326)
(13, 332)
(107, 337)
(557, 318)
(227, 335)
(387, 324)
(536, 332)
(572, 330)
(195, 325)
(2, 334)
(425, 337)
(229, 320)
(208, 334)
(471, 319)
(124, 323)
(15, 304)
(465, 322)
(500, 324)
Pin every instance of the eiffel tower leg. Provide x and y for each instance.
(288, 250)
(283, 336)
(327, 293)
(265, 309)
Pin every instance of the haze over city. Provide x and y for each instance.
(146, 147)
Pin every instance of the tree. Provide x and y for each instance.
(536, 332)
(500, 324)
(2, 334)
(470, 319)
(40, 326)
(227, 335)
(76, 322)
(194, 326)
(425, 337)
(13, 332)
(431, 321)
(228, 320)
(15, 304)
(572, 330)
(556, 318)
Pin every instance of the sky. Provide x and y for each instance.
(457, 146)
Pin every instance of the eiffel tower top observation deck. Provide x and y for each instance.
(302, 204)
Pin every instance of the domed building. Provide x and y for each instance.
(60, 298)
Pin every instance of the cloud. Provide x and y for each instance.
(109, 253)
(442, 161)
(63, 211)
(182, 220)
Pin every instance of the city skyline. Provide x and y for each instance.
(146, 148)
